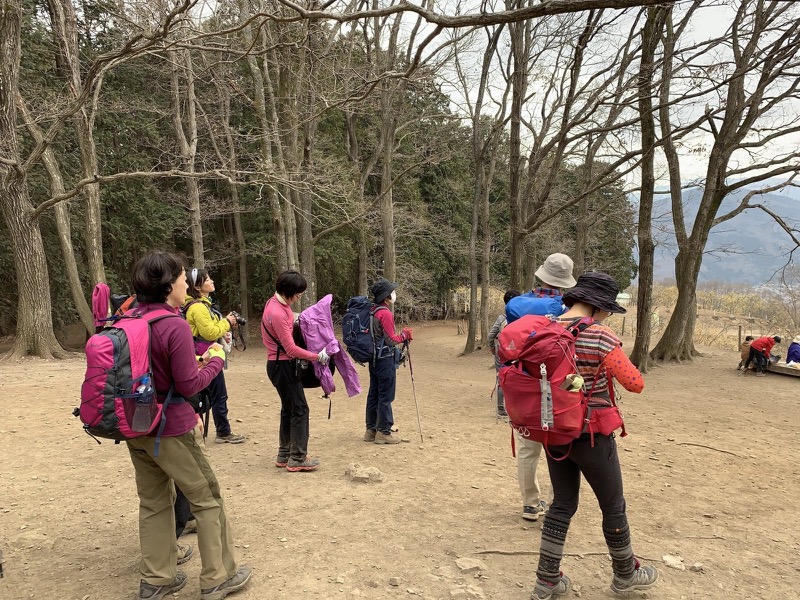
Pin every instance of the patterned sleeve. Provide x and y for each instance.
(620, 367)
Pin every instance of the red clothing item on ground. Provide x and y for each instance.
(278, 320)
(763, 345)
(174, 361)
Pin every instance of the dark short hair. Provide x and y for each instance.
(749, 338)
(777, 339)
(290, 283)
(154, 274)
(510, 294)
(199, 280)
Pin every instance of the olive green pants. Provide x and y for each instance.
(181, 459)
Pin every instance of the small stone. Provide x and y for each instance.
(673, 562)
(394, 581)
(340, 579)
(470, 565)
(282, 539)
(698, 568)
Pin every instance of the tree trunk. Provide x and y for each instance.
(650, 39)
(361, 276)
(63, 19)
(62, 219)
(259, 104)
(519, 83)
(186, 136)
(677, 343)
(469, 347)
(387, 213)
(34, 333)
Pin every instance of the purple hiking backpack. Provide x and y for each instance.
(118, 397)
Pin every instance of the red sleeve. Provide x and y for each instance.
(386, 318)
(620, 367)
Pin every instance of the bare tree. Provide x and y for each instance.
(184, 123)
(64, 24)
(34, 310)
(62, 219)
(651, 34)
(759, 83)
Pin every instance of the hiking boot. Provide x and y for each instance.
(544, 590)
(191, 526)
(234, 584)
(369, 435)
(231, 438)
(759, 374)
(643, 578)
(532, 513)
(157, 592)
(185, 552)
(281, 461)
(386, 438)
(307, 464)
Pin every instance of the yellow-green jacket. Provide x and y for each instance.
(205, 322)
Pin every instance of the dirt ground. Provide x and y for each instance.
(710, 469)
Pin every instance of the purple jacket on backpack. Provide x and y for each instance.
(316, 324)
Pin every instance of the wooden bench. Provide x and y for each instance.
(784, 369)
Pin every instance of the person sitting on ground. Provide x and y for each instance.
(277, 323)
(744, 351)
(555, 274)
(793, 354)
(159, 280)
(383, 369)
(208, 325)
(760, 351)
(498, 326)
(599, 358)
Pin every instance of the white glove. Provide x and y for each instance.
(227, 342)
(323, 357)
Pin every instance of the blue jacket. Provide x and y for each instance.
(794, 353)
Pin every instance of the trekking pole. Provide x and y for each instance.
(413, 388)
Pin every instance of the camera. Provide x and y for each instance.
(240, 320)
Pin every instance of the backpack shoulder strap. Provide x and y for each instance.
(274, 339)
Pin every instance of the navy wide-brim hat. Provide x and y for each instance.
(381, 290)
(595, 289)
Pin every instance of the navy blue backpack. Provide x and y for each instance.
(357, 329)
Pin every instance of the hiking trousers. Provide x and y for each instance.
(217, 395)
(600, 466)
(382, 383)
(528, 453)
(294, 428)
(757, 357)
(182, 459)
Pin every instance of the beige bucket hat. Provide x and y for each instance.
(556, 271)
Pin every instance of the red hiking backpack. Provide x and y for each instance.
(118, 396)
(540, 356)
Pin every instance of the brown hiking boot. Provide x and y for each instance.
(369, 435)
(386, 438)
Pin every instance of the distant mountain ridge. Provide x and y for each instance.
(749, 249)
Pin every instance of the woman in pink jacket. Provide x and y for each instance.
(277, 323)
